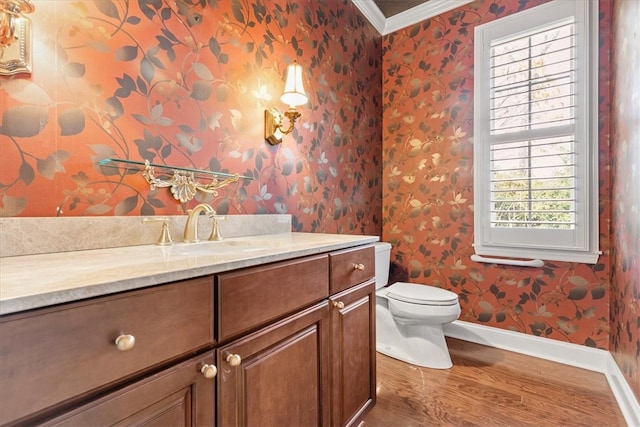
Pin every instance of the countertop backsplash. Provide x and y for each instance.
(40, 235)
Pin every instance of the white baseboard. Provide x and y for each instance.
(576, 355)
(624, 395)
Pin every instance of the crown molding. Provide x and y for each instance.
(409, 17)
(372, 13)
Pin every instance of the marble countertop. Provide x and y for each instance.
(34, 281)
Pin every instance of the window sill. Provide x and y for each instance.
(583, 257)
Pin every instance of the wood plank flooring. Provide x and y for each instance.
(491, 387)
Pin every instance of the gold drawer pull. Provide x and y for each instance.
(338, 304)
(209, 371)
(359, 267)
(125, 342)
(234, 359)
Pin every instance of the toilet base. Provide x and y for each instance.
(421, 345)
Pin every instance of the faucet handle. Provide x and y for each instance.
(165, 237)
(215, 231)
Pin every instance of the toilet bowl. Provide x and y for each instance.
(410, 317)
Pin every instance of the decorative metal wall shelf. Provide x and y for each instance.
(182, 181)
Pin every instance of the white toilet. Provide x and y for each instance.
(409, 317)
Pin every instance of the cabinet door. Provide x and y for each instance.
(178, 396)
(278, 375)
(353, 348)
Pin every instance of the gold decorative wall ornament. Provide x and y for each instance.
(15, 36)
(184, 185)
(182, 182)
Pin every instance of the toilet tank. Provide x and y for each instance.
(383, 258)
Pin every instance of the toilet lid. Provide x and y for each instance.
(421, 294)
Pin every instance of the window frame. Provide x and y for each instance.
(581, 244)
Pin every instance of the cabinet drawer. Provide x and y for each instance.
(53, 355)
(350, 267)
(255, 296)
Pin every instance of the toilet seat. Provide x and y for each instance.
(421, 294)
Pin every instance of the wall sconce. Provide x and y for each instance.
(15, 36)
(293, 96)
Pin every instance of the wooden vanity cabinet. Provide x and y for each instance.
(59, 357)
(353, 335)
(277, 375)
(292, 343)
(313, 368)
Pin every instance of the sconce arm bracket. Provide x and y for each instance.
(273, 131)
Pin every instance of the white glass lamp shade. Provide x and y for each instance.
(293, 94)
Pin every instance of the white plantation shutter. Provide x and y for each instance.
(533, 184)
(535, 134)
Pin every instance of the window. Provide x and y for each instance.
(536, 134)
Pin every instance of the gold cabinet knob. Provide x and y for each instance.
(338, 304)
(234, 359)
(359, 267)
(209, 371)
(125, 342)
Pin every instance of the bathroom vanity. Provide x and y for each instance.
(278, 330)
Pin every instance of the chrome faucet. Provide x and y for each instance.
(191, 228)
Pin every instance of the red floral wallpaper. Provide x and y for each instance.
(428, 186)
(625, 278)
(186, 83)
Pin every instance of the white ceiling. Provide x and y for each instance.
(409, 17)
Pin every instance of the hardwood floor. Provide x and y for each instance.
(491, 387)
